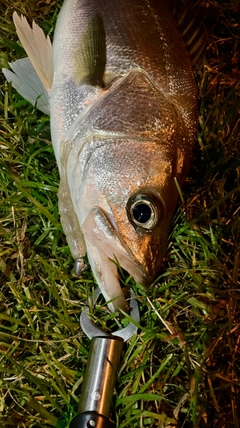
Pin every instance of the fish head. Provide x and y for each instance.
(136, 146)
(125, 206)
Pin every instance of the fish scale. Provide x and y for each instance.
(123, 112)
(124, 24)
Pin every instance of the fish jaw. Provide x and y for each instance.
(103, 246)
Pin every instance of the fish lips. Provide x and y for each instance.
(104, 245)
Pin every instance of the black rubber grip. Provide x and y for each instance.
(91, 420)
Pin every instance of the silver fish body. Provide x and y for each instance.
(123, 122)
(140, 35)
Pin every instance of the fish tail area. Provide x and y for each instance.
(28, 84)
(193, 25)
(38, 48)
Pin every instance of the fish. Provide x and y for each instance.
(118, 84)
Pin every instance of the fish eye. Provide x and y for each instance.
(144, 211)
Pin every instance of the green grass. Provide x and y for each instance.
(182, 368)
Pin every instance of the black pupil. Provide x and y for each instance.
(142, 213)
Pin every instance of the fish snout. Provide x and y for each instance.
(104, 246)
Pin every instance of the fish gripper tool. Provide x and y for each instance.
(94, 409)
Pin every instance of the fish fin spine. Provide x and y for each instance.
(38, 48)
(192, 24)
(26, 81)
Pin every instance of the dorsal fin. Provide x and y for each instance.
(191, 23)
(26, 81)
(91, 55)
(38, 48)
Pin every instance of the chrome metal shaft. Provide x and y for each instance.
(100, 376)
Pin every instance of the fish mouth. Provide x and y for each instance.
(103, 246)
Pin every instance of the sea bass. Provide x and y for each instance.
(119, 87)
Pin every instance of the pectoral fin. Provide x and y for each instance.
(91, 55)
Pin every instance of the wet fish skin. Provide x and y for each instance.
(120, 131)
(139, 34)
(135, 138)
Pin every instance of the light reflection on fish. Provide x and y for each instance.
(119, 87)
